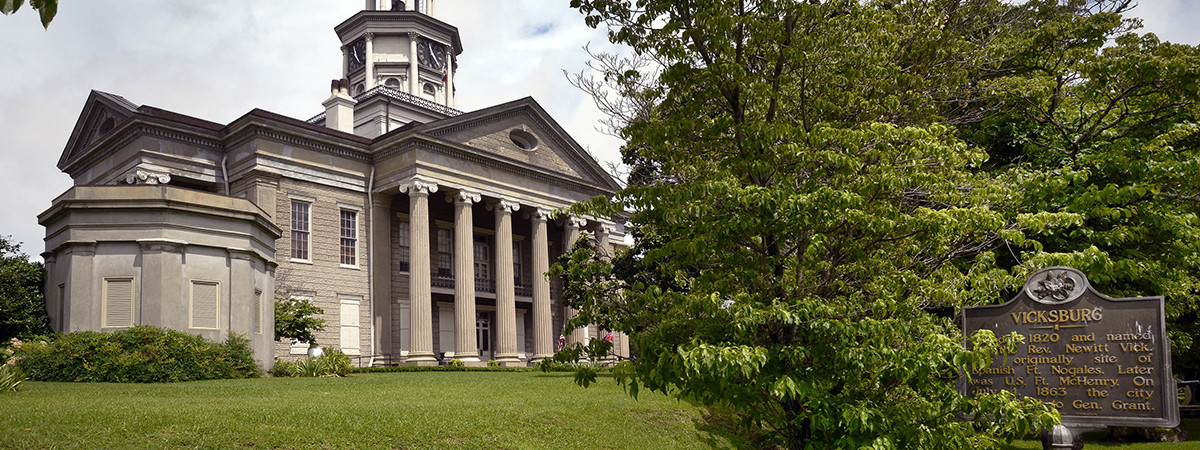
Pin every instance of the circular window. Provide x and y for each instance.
(358, 88)
(523, 139)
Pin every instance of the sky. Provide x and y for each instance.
(219, 59)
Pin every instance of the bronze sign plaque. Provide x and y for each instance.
(1101, 361)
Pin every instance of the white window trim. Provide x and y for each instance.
(310, 202)
(357, 241)
(192, 304)
(104, 302)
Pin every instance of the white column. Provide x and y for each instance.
(413, 86)
(420, 301)
(370, 71)
(465, 348)
(543, 335)
(346, 62)
(506, 294)
(570, 235)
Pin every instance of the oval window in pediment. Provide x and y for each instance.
(523, 139)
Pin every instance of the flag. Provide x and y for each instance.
(562, 340)
(608, 337)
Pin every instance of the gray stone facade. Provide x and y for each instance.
(199, 226)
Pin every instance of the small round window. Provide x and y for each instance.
(523, 139)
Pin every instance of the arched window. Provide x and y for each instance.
(392, 82)
(429, 89)
(397, 5)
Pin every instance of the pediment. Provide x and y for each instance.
(522, 132)
(102, 114)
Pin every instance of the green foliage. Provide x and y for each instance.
(22, 304)
(46, 8)
(1097, 128)
(10, 377)
(330, 363)
(456, 363)
(284, 369)
(295, 319)
(806, 214)
(493, 363)
(141, 354)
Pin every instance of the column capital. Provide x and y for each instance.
(464, 196)
(418, 186)
(505, 205)
(370, 36)
(575, 221)
(540, 213)
(606, 227)
(413, 35)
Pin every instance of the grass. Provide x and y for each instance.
(376, 410)
(388, 410)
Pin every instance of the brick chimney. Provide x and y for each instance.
(339, 108)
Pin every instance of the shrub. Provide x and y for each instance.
(283, 369)
(142, 354)
(331, 363)
(10, 377)
(493, 363)
(456, 363)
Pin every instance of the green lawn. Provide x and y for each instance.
(384, 410)
(387, 410)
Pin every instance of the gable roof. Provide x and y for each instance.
(486, 132)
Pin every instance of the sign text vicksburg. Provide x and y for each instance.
(1100, 361)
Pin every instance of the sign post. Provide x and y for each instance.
(1101, 361)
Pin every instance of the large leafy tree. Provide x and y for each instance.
(1098, 123)
(803, 210)
(22, 304)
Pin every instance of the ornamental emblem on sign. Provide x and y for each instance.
(1056, 285)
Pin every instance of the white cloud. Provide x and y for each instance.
(219, 59)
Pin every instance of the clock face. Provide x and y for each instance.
(431, 54)
(358, 55)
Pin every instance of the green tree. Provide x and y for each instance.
(1098, 123)
(294, 319)
(46, 8)
(22, 303)
(803, 210)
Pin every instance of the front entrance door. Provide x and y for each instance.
(483, 335)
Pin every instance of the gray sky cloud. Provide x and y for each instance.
(217, 60)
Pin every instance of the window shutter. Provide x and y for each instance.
(118, 302)
(257, 314)
(204, 304)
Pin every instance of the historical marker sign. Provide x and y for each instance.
(1101, 361)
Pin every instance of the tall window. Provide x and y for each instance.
(445, 255)
(349, 238)
(300, 229)
(403, 240)
(482, 258)
(516, 262)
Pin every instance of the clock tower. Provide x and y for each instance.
(400, 63)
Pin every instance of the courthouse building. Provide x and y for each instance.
(422, 231)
